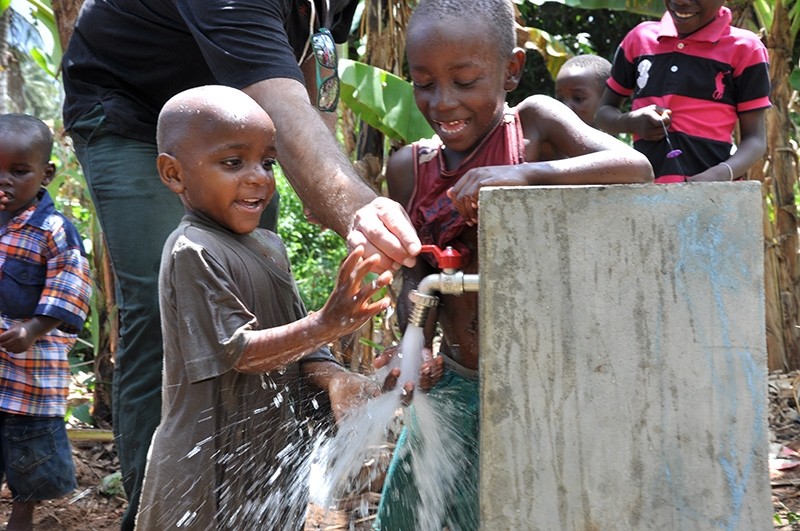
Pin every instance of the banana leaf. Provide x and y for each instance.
(552, 50)
(383, 100)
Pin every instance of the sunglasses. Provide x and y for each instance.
(325, 55)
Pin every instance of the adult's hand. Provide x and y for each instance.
(383, 227)
(326, 181)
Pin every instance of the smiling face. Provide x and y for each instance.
(691, 15)
(579, 90)
(24, 169)
(221, 165)
(460, 78)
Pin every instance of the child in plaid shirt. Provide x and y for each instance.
(44, 299)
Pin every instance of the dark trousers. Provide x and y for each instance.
(137, 213)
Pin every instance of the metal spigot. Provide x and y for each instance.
(450, 281)
(422, 304)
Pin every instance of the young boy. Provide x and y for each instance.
(690, 76)
(463, 61)
(44, 299)
(580, 83)
(239, 349)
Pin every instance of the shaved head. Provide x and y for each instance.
(498, 15)
(202, 109)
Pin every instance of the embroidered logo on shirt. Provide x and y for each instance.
(719, 85)
(644, 69)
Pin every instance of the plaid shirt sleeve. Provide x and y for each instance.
(67, 289)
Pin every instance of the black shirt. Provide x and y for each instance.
(133, 55)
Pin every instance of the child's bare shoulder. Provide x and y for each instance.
(538, 105)
(400, 174)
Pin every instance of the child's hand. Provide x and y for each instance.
(3, 200)
(350, 304)
(17, 339)
(431, 370)
(649, 122)
(348, 391)
(464, 194)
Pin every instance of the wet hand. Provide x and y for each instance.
(349, 391)
(431, 371)
(351, 303)
(383, 227)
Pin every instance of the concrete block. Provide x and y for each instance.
(623, 358)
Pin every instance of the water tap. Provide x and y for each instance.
(451, 281)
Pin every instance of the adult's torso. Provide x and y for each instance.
(133, 55)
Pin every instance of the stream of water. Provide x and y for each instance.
(338, 466)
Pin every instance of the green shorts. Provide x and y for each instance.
(451, 474)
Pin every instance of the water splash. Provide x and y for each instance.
(335, 466)
(364, 433)
(409, 358)
(353, 461)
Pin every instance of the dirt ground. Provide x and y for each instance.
(89, 508)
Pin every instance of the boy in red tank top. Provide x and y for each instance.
(463, 60)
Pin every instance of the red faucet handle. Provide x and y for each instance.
(447, 258)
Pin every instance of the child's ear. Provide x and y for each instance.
(516, 63)
(169, 169)
(49, 173)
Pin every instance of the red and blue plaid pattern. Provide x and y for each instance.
(36, 382)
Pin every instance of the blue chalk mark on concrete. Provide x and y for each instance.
(706, 248)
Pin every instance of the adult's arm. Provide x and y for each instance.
(325, 180)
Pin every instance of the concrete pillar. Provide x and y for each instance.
(623, 358)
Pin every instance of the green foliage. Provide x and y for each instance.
(42, 13)
(314, 253)
(41, 91)
(597, 31)
(552, 49)
(794, 79)
(383, 100)
(653, 8)
(111, 485)
(791, 518)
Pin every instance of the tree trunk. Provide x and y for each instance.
(781, 239)
(5, 55)
(65, 11)
(106, 324)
